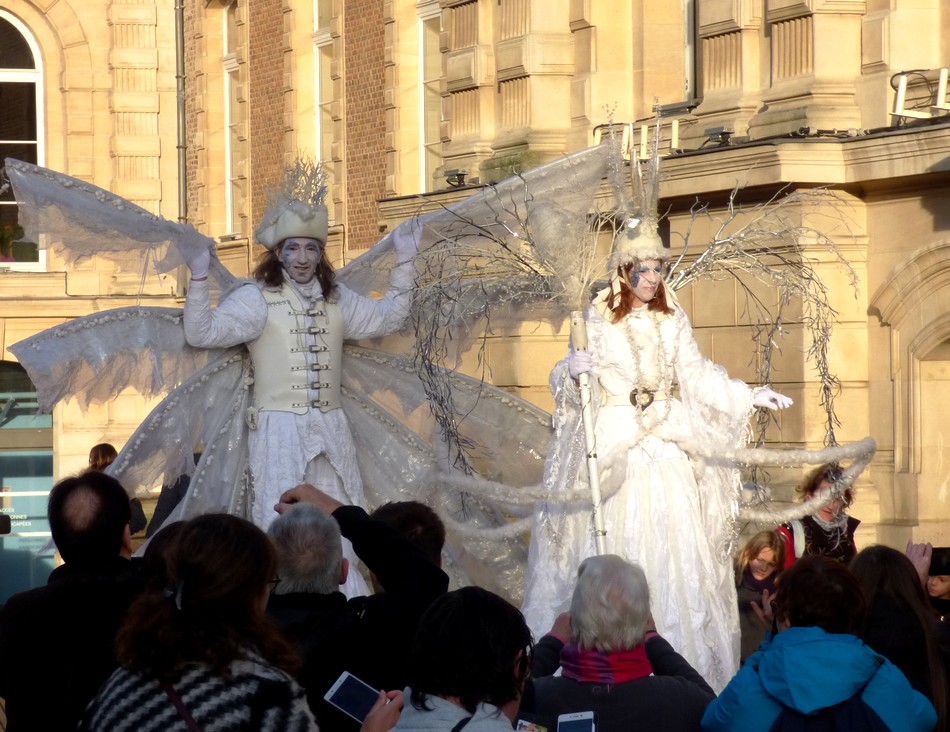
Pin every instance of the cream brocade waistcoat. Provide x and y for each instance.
(285, 378)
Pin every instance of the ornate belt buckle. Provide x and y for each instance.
(641, 398)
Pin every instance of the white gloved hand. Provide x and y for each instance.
(765, 397)
(199, 265)
(406, 240)
(579, 362)
(196, 249)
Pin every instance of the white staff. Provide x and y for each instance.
(579, 347)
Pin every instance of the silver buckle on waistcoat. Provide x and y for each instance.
(312, 367)
(311, 349)
(312, 330)
(315, 404)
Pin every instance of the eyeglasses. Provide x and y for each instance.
(273, 583)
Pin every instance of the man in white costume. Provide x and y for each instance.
(652, 390)
(294, 318)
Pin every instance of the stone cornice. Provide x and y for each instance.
(813, 161)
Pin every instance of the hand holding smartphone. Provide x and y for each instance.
(577, 722)
(352, 696)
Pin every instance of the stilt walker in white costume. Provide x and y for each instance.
(294, 318)
(640, 351)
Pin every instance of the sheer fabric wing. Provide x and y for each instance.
(93, 358)
(204, 414)
(78, 220)
(520, 236)
(402, 458)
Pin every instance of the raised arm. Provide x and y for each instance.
(239, 318)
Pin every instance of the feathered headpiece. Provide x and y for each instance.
(638, 238)
(296, 207)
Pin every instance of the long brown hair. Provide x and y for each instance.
(621, 303)
(101, 456)
(270, 271)
(762, 540)
(218, 568)
(829, 472)
(884, 572)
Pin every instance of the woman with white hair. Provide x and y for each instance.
(614, 662)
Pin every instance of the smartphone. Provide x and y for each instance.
(940, 561)
(577, 722)
(352, 696)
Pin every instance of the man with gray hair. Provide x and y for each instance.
(309, 552)
(367, 636)
(612, 660)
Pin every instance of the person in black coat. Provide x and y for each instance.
(56, 641)
(901, 625)
(612, 661)
(368, 636)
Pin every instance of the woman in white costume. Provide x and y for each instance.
(293, 318)
(666, 512)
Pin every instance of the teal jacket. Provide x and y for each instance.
(808, 669)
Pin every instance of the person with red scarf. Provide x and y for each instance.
(613, 662)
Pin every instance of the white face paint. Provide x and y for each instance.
(644, 281)
(300, 257)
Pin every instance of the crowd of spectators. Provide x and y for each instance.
(220, 626)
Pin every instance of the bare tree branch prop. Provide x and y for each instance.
(770, 244)
(523, 242)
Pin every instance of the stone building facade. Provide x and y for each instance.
(433, 97)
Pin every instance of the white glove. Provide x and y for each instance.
(199, 265)
(579, 362)
(406, 240)
(196, 249)
(765, 397)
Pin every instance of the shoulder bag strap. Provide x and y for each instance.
(799, 531)
(193, 726)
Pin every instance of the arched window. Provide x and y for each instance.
(26, 476)
(21, 112)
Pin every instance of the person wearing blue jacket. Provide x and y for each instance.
(816, 670)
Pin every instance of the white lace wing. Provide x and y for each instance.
(94, 357)
(78, 220)
(205, 413)
(401, 457)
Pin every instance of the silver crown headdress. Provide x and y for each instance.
(638, 238)
(296, 207)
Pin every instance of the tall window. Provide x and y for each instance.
(235, 104)
(692, 56)
(322, 73)
(20, 111)
(26, 475)
(430, 99)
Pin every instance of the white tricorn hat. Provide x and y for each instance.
(296, 208)
(637, 241)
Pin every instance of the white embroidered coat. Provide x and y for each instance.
(668, 513)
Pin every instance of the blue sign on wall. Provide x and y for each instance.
(25, 561)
